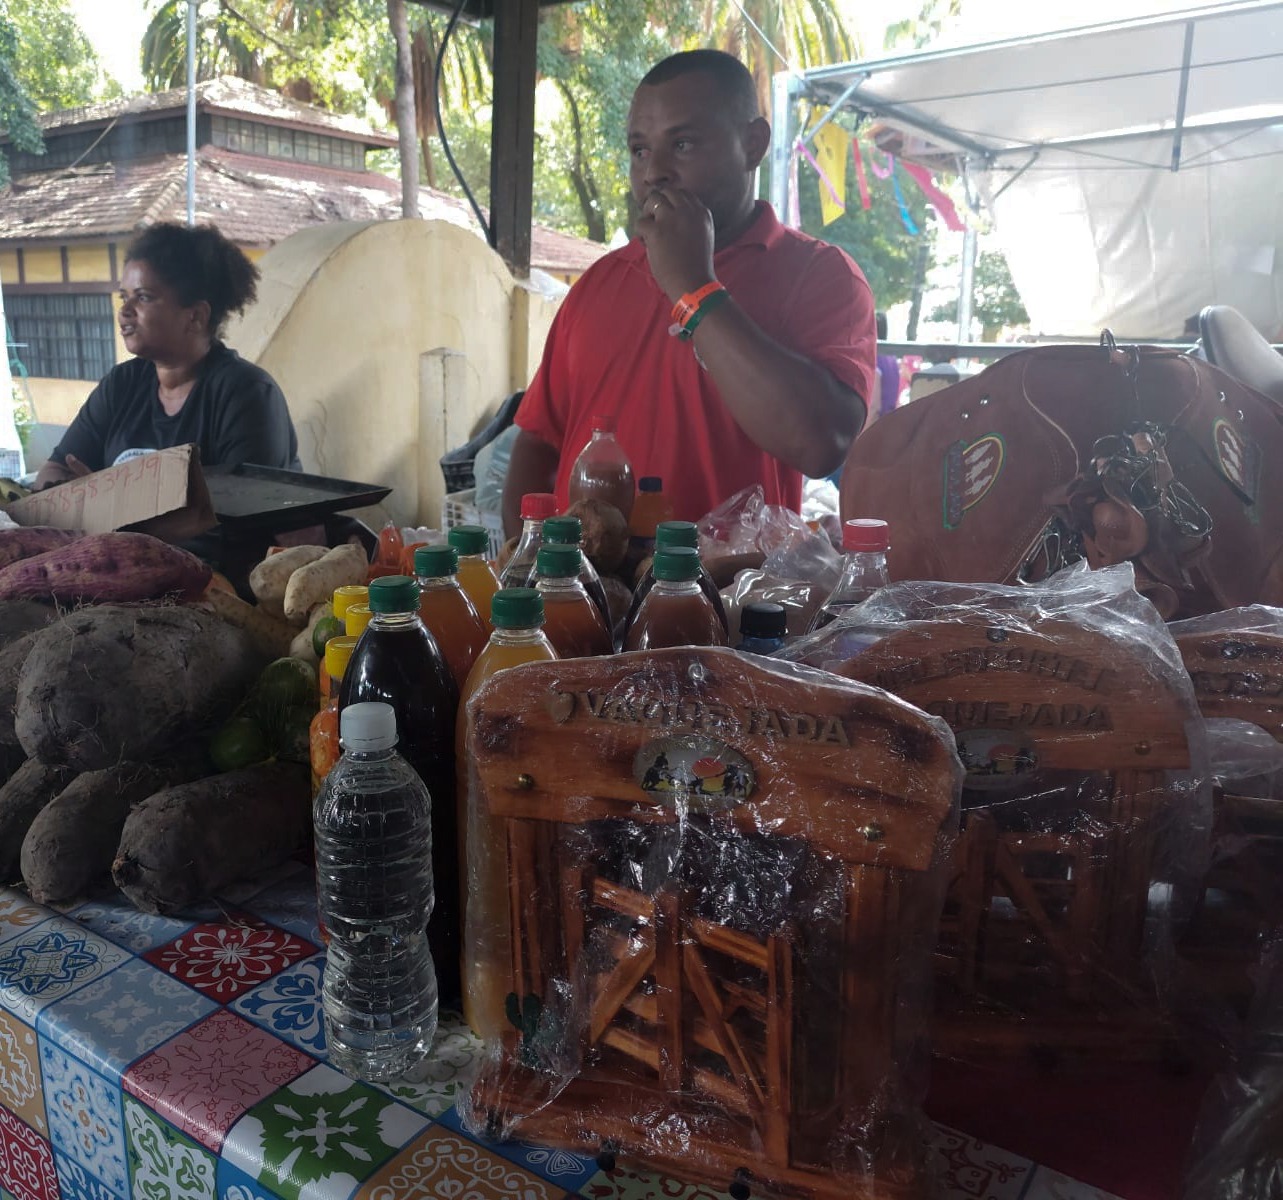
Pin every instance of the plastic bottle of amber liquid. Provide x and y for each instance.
(667, 535)
(447, 612)
(518, 638)
(572, 622)
(323, 733)
(602, 470)
(476, 576)
(569, 531)
(675, 612)
(519, 570)
(864, 569)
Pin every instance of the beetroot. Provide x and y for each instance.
(106, 567)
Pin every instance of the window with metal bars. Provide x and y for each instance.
(64, 336)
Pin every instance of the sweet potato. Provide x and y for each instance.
(20, 617)
(315, 583)
(71, 843)
(12, 658)
(16, 544)
(119, 683)
(269, 579)
(270, 634)
(187, 842)
(106, 567)
(29, 789)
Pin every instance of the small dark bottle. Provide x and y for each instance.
(763, 628)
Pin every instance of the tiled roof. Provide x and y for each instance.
(225, 94)
(254, 201)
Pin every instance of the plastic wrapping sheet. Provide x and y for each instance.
(801, 599)
(704, 892)
(1086, 805)
(1237, 1150)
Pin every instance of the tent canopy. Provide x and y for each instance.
(1120, 148)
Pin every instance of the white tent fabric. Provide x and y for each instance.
(1134, 171)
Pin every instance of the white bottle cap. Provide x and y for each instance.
(368, 726)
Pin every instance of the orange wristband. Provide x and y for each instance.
(688, 305)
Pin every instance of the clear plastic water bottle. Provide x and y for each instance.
(865, 542)
(373, 827)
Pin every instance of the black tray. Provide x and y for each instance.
(253, 497)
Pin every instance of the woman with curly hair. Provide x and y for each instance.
(178, 287)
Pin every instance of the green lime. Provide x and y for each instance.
(322, 631)
(294, 742)
(238, 743)
(284, 683)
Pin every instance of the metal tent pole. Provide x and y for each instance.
(192, 5)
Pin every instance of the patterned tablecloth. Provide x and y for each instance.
(173, 1059)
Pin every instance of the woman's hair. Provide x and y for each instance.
(199, 263)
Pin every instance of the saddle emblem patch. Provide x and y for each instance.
(1238, 458)
(969, 472)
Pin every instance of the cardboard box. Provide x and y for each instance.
(163, 494)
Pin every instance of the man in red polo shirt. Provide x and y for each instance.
(771, 382)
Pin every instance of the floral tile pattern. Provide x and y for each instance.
(563, 1167)
(320, 1136)
(205, 1078)
(444, 1163)
(18, 913)
(112, 1021)
(163, 1164)
(84, 1116)
(74, 1180)
(20, 1090)
(49, 961)
(454, 1053)
(291, 904)
(119, 921)
(971, 1168)
(235, 1184)
(289, 1005)
(26, 1161)
(227, 959)
(624, 1183)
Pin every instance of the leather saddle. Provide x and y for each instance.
(1106, 453)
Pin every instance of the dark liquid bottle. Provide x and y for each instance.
(602, 470)
(519, 570)
(676, 533)
(397, 661)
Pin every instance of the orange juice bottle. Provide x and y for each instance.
(476, 575)
(517, 614)
(571, 620)
(323, 736)
(445, 609)
(344, 597)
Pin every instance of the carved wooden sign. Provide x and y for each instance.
(721, 876)
(1237, 675)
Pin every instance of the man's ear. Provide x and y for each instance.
(757, 140)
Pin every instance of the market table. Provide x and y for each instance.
(181, 1058)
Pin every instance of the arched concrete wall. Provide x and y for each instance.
(392, 341)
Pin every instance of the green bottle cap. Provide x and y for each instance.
(676, 564)
(677, 533)
(394, 594)
(469, 539)
(432, 562)
(563, 531)
(516, 608)
(558, 562)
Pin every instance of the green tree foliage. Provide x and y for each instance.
(55, 62)
(995, 302)
(17, 110)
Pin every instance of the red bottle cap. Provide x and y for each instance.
(603, 424)
(865, 535)
(537, 506)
